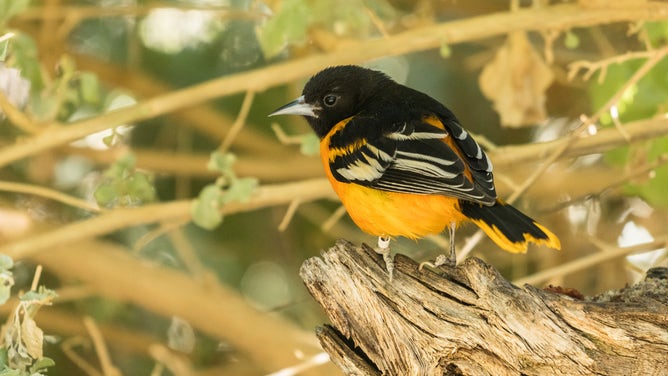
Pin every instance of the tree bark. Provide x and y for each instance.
(469, 320)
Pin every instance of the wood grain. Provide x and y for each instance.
(469, 320)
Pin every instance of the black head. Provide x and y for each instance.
(335, 94)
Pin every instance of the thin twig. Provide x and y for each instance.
(289, 214)
(604, 140)
(67, 346)
(602, 65)
(283, 137)
(113, 220)
(239, 122)
(610, 252)
(35, 278)
(50, 194)
(154, 234)
(177, 365)
(377, 22)
(333, 219)
(16, 116)
(187, 253)
(108, 369)
(660, 161)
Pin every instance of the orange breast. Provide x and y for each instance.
(389, 213)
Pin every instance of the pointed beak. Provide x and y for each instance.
(296, 107)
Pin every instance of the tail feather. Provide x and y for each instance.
(508, 227)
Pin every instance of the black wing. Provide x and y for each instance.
(412, 157)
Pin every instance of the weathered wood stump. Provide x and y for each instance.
(469, 320)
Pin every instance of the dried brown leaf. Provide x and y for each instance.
(516, 81)
(32, 336)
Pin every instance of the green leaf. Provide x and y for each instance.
(310, 144)
(221, 162)
(6, 262)
(25, 57)
(6, 283)
(240, 190)
(124, 185)
(652, 190)
(41, 295)
(3, 358)
(643, 100)
(205, 210)
(640, 101)
(445, 50)
(89, 87)
(140, 187)
(106, 194)
(41, 364)
(10, 8)
(657, 32)
(287, 26)
(4, 48)
(571, 41)
(11, 372)
(110, 140)
(121, 168)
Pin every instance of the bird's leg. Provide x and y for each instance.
(384, 249)
(452, 258)
(449, 260)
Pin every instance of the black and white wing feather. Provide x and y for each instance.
(412, 157)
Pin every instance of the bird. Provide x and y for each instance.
(403, 166)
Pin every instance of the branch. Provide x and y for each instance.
(608, 252)
(468, 320)
(603, 140)
(202, 117)
(287, 166)
(314, 189)
(113, 220)
(36, 190)
(296, 166)
(112, 272)
(559, 17)
(310, 190)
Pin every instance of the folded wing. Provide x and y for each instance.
(413, 157)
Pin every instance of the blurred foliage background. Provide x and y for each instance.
(149, 203)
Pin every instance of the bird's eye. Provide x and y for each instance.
(330, 100)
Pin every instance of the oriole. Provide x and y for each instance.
(402, 164)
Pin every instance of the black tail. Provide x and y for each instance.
(508, 227)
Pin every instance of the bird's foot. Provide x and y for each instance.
(384, 249)
(441, 260)
(449, 261)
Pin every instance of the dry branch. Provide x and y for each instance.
(111, 271)
(469, 320)
(604, 140)
(556, 17)
(176, 211)
(504, 157)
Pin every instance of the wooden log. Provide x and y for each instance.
(469, 320)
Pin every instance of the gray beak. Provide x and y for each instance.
(296, 107)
